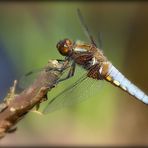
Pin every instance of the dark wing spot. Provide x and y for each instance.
(94, 72)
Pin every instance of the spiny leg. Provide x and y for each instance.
(70, 73)
(65, 65)
(46, 97)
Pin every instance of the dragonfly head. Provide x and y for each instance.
(65, 47)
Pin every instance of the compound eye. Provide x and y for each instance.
(58, 46)
(64, 47)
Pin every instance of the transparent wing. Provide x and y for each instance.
(82, 89)
(100, 40)
(86, 30)
(28, 79)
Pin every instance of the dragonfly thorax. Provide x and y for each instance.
(65, 47)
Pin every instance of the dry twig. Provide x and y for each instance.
(15, 106)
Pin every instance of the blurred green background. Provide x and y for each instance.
(28, 36)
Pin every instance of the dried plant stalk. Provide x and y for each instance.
(15, 106)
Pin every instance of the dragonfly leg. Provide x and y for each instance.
(59, 60)
(70, 73)
(65, 62)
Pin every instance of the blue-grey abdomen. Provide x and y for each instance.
(117, 78)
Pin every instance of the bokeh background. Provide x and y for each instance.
(29, 32)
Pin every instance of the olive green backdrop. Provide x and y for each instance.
(28, 35)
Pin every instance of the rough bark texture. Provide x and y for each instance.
(15, 106)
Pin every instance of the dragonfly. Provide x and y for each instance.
(98, 67)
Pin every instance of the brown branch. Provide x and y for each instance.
(14, 107)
